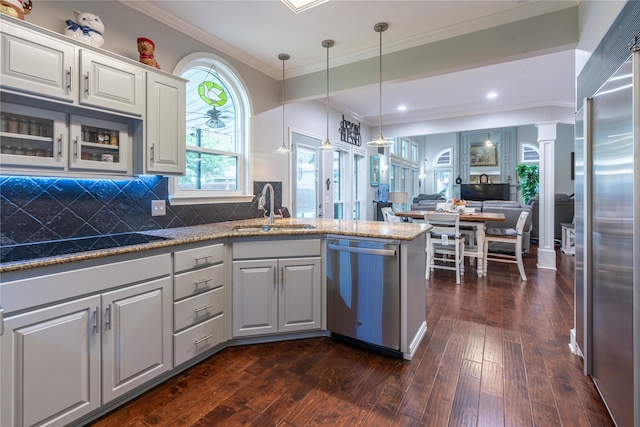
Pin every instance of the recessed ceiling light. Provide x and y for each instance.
(301, 5)
(492, 95)
(402, 108)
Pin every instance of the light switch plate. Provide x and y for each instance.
(158, 208)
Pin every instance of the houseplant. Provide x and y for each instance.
(529, 179)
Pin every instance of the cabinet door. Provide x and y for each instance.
(165, 125)
(99, 145)
(255, 300)
(137, 336)
(50, 371)
(37, 64)
(33, 138)
(112, 84)
(299, 294)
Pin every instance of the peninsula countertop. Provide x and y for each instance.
(236, 229)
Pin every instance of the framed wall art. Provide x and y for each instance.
(374, 170)
(483, 155)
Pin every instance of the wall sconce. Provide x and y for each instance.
(383, 168)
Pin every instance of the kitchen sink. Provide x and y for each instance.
(267, 227)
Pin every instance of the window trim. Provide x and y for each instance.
(235, 84)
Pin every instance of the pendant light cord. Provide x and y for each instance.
(283, 100)
(380, 121)
(328, 46)
(327, 144)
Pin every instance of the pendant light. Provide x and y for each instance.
(327, 144)
(283, 148)
(381, 141)
(488, 141)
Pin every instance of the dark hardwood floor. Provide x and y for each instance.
(496, 354)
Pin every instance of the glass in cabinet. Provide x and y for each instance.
(32, 137)
(37, 139)
(99, 144)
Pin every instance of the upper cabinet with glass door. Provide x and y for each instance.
(42, 63)
(32, 137)
(39, 140)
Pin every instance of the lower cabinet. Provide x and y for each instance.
(51, 364)
(276, 295)
(198, 300)
(62, 361)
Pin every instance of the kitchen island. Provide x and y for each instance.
(112, 323)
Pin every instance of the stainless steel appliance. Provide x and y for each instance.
(608, 230)
(363, 292)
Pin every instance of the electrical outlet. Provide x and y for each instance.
(158, 208)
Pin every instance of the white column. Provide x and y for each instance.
(546, 145)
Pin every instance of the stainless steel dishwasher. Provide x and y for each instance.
(363, 293)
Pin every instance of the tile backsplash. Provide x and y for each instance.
(39, 209)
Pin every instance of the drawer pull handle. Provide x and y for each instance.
(205, 281)
(204, 307)
(206, 257)
(202, 339)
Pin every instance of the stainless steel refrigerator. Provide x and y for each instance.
(607, 251)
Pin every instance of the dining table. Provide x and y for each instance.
(473, 220)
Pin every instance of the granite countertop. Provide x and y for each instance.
(245, 228)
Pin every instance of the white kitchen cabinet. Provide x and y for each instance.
(165, 138)
(51, 364)
(135, 340)
(33, 138)
(198, 300)
(39, 139)
(99, 145)
(61, 361)
(106, 82)
(42, 64)
(276, 295)
(43, 69)
(37, 63)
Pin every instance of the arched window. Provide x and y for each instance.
(529, 153)
(443, 158)
(443, 173)
(217, 126)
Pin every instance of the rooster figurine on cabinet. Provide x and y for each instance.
(87, 28)
(16, 8)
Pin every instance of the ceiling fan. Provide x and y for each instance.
(215, 117)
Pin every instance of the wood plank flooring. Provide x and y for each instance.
(496, 354)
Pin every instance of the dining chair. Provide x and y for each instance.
(443, 241)
(511, 236)
(389, 216)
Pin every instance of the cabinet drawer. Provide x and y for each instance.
(198, 281)
(196, 309)
(198, 339)
(198, 257)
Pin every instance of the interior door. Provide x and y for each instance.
(305, 182)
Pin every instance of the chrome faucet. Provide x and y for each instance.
(262, 201)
